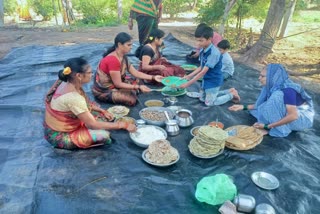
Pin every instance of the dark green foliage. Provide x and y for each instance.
(211, 12)
(43, 7)
(10, 7)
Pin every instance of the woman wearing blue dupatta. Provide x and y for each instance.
(282, 106)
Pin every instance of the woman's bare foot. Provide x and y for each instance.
(236, 97)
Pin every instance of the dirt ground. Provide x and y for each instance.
(300, 53)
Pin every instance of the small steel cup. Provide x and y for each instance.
(244, 203)
(140, 122)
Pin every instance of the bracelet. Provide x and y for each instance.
(153, 78)
(245, 107)
(266, 127)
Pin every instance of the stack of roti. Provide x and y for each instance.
(245, 138)
(161, 152)
(208, 142)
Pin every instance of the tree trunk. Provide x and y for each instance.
(263, 46)
(287, 16)
(228, 7)
(1, 14)
(55, 11)
(194, 4)
(119, 10)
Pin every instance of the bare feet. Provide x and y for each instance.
(236, 97)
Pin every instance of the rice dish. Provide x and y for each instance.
(146, 135)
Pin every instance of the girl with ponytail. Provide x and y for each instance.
(152, 62)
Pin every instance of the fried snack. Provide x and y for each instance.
(247, 137)
(161, 152)
(236, 142)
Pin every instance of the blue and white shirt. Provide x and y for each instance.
(211, 58)
(227, 64)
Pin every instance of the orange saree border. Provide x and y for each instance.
(66, 122)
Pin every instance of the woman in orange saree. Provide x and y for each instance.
(71, 120)
(152, 62)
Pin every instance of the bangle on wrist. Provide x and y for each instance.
(245, 107)
(153, 78)
(266, 127)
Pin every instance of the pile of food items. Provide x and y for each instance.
(208, 142)
(155, 115)
(154, 103)
(126, 120)
(161, 152)
(119, 111)
(246, 137)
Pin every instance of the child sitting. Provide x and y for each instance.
(227, 62)
(193, 57)
(210, 70)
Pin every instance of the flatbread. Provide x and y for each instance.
(247, 137)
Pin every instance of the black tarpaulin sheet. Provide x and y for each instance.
(35, 178)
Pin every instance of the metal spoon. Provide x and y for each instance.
(167, 116)
(156, 89)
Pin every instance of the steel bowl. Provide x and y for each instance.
(264, 209)
(133, 136)
(158, 109)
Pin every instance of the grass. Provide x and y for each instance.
(306, 16)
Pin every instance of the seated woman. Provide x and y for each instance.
(111, 83)
(71, 121)
(282, 106)
(151, 61)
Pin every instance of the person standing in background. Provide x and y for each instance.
(147, 13)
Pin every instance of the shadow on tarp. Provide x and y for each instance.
(35, 178)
